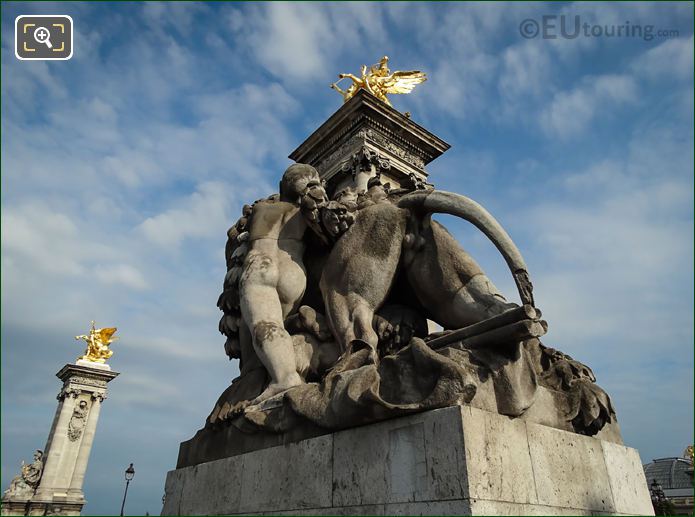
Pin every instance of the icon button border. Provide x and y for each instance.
(16, 27)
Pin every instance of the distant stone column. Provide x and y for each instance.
(70, 443)
(59, 491)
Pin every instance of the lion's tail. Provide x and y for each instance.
(440, 202)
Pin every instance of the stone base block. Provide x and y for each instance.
(457, 460)
(14, 507)
(92, 364)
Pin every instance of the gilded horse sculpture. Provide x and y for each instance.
(98, 341)
(379, 81)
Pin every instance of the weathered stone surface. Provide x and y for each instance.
(293, 476)
(484, 507)
(626, 477)
(451, 507)
(205, 491)
(173, 488)
(456, 460)
(296, 476)
(498, 463)
(216, 443)
(406, 458)
(569, 470)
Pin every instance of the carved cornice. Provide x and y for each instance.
(416, 159)
(70, 371)
(339, 153)
(365, 119)
(88, 381)
(72, 391)
(79, 379)
(387, 145)
(370, 128)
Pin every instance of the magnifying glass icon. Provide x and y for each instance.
(42, 35)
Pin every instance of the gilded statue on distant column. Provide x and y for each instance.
(98, 341)
(379, 81)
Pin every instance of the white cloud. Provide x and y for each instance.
(203, 214)
(670, 59)
(526, 70)
(38, 242)
(298, 42)
(616, 243)
(122, 274)
(571, 112)
(162, 16)
(292, 39)
(141, 389)
(32, 230)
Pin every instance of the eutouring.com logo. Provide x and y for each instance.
(552, 26)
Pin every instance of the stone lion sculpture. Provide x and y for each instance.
(326, 303)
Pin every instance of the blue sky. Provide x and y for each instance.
(123, 168)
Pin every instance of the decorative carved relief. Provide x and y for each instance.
(78, 420)
(69, 391)
(88, 381)
(339, 153)
(401, 152)
(365, 160)
(391, 144)
(371, 124)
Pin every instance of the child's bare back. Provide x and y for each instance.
(273, 277)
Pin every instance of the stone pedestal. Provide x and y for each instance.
(69, 443)
(457, 460)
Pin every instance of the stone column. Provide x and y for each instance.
(77, 480)
(70, 440)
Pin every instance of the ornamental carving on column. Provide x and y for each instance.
(69, 392)
(365, 160)
(78, 420)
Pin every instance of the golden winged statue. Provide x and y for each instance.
(98, 341)
(379, 81)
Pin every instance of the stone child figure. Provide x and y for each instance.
(273, 277)
(24, 484)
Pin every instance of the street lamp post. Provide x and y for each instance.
(129, 474)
